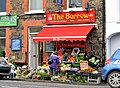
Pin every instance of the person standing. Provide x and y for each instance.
(53, 66)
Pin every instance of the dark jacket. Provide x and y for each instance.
(55, 60)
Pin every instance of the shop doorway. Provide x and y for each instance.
(32, 51)
(34, 48)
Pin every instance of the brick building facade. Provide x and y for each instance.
(28, 20)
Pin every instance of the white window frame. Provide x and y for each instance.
(3, 13)
(4, 37)
(35, 11)
(73, 9)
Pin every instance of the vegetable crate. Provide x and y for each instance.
(94, 78)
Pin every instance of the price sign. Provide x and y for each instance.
(83, 65)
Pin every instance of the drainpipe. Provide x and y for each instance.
(103, 33)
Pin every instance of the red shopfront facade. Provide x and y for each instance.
(67, 30)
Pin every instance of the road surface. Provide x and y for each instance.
(27, 84)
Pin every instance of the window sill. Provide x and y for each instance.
(118, 21)
(34, 12)
(3, 13)
(73, 9)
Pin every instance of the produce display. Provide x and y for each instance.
(64, 66)
(73, 68)
(76, 69)
(40, 74)
(93, 60)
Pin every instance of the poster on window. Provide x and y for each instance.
(49, 46)
(16, 44)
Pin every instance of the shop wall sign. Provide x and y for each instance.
(70, 44)
(70, 17)
(8, 20)
(16, 44)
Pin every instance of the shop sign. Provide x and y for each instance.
(16, 44)
(83, 65)
(71, 44)
(70, 17)
(8, 20)
(58, 39)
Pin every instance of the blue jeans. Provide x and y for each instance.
(52, 71)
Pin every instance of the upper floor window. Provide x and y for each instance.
(2, 7)
(36, 6)
(74, 4)
(59, 2)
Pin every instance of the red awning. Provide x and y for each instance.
(63, 33)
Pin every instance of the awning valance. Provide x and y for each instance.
(63, 33)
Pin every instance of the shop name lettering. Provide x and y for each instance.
(69, 16)
(62, 44)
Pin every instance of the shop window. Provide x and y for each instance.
(2, 38)
(2, 43)
(35, 29)
(49, 46)
(74, 4)
(36, 6)
(2, 33)
(2, 7)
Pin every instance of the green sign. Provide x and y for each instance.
(8, 20)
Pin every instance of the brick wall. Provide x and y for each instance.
(19, 7)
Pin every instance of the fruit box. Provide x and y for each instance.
(83, 65)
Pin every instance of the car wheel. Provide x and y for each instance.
(1, 77)
(114, 79)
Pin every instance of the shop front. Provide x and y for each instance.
(66, 30)
(67, 33)
(66, 37)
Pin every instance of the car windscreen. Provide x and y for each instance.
(116, 54)
(3, 62)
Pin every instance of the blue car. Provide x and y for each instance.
(111, 70)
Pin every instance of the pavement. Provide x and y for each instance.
(49, 81)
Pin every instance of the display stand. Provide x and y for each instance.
(92, 78)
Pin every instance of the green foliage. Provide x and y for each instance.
(43, 75)
(15, 64)
(81, 79)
